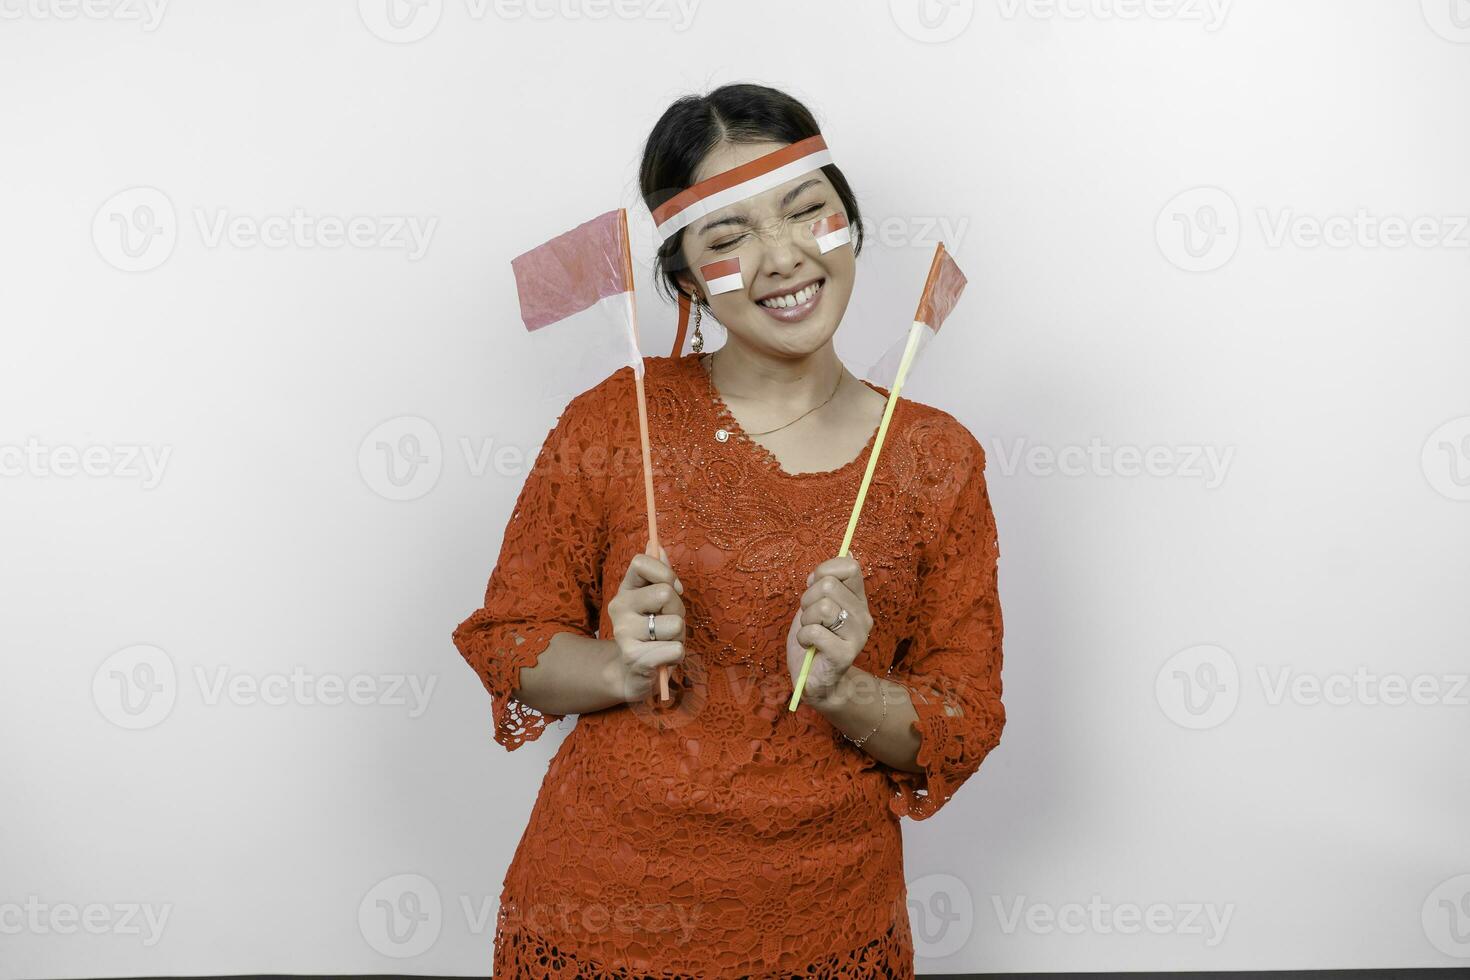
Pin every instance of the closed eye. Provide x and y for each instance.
(727, 243)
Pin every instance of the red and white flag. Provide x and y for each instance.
(831, 232)
(589, 266)
(942, 289)
(722, 276)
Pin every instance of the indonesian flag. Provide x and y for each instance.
(831, 232)
(722, 276)
(591, 265)
(942, 291)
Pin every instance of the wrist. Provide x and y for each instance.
(835, 701)
(614, 685)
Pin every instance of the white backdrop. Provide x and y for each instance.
(265, 405)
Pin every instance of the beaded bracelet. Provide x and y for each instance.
(882, 693)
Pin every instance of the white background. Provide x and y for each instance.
(1133, 189)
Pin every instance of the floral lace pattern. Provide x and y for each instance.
(725, 836)
(524, 956)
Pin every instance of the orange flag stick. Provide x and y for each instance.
(653, 548)
(572, 272)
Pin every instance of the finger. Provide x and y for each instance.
(647, 570)
(652, 656)
(659, 597)
(845, 569)
(664, 555)
(678, 585)
(836, 590)
(826, 642)
(821, 612)
(644, 570)
(666, 626)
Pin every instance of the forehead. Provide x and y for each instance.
(727, 156)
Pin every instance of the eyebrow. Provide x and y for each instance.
(736, 219)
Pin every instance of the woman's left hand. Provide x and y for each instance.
(834, 585)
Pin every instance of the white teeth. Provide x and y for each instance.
(791, 299)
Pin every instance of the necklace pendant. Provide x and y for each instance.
(721, 435)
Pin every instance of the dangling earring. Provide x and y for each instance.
(698, 344)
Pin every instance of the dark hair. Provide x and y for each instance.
(694, 125)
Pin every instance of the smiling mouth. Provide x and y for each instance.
(791, 307)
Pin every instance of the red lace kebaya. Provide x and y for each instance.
(726, 836)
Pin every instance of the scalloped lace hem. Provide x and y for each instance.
(523, 955)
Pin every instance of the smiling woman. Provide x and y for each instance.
(723, 835)
(744, 174)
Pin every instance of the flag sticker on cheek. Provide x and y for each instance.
(831, 232)
(722, 276)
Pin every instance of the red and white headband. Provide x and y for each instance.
(736, 184)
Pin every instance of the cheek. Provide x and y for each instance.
(728, 307)
(841, 261)
(841, 266)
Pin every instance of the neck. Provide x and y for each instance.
(785, 383)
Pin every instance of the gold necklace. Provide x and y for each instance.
(779, 427)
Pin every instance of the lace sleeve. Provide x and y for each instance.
(548, 579)
(952, 664)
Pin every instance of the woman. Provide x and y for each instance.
(720, 834)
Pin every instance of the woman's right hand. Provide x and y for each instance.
(648, 586)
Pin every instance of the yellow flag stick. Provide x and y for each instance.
(915, 332)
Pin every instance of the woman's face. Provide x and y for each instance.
(771, 236)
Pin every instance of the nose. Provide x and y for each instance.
(783, 256)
